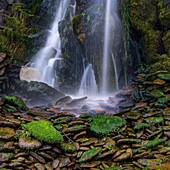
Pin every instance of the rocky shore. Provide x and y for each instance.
(135, 135)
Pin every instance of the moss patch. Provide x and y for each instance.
(17, 102)
(88, 155)
(44, 131)
(106, 124)
(154, 143)
(68, 147)
(140, 126)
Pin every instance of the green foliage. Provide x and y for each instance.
(44, 131)
(76, 21)
(154, 143)
(140, 126)
(87, 155)
(17, 102)
(68, 147)
(106, 124)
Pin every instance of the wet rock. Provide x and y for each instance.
(68, 147)
(78, 122)
(46, 156)
(64, 100)
(6, 133)
(4, 157)
(77, 101)
(118, 153)
(27, 143)
(38, 92)
(105, 154)
(128, 141)
(107, 106)
(48, 166)
(89, 142)
(123, 157)
(55, 163)
(91, 164)
(151, 162)
(126, 105)
(133, 115)
(64, 162)
(79, 134)
(164, 166)
(39, 158)
(138, 165)
(39, 166)
(159, 82)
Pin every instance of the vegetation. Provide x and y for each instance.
(154, 143)
(106, 124)
(140, 126)
(87, 155)
(44, 131)
(16, 101)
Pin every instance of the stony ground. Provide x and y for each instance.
(140, 143)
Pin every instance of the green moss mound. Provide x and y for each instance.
(157, 94)
(164, 76)
(154, 143)
(44, 131)
(17, 102)
(106, 124)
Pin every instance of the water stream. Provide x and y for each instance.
(45, 59)
(112, 28)
(88, 84)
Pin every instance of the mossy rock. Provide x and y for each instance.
(153, 42)
(68, 147)
(44, 131)
(166, 42)
(154, 143)
(164, 100)
(17, 102)
(88, 155)
(106, 124)
(154, 120)
(141, 126)
(156, 94)
(164, 76)
(86, 116)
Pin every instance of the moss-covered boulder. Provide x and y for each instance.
(68, 147)
(17, 102)
(88, 155)
(106, 124)
(44, 131)
(154, 143)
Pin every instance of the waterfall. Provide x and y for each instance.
(112, 31)
(116, 74)
(88, 84)
(46, 58)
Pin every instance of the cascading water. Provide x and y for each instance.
(88, 83)
(112, 27)
(116, 74)
(47, 56)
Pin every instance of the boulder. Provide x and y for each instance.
(38, 92)
(30, 74)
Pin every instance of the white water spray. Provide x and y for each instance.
(88, 83)
(47, 56)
